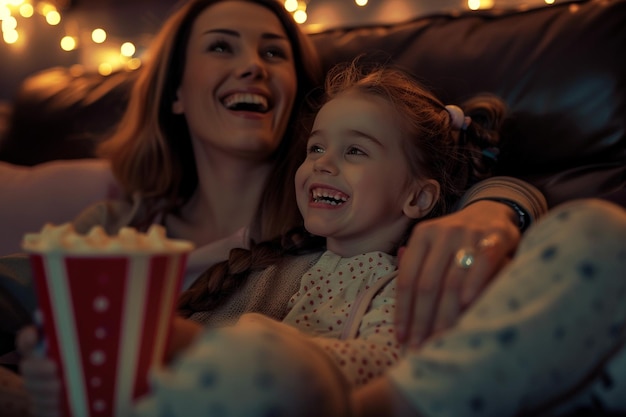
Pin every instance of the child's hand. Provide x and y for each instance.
(184, 331)
(40, 376)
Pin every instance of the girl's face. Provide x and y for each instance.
(239, 82)
(353, 184)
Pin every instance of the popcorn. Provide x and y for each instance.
(107, 303)
(64, 238)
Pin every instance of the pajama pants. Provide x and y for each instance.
(256, 368)
(546, 337)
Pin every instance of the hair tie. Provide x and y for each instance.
(491, 153)
(458, 119)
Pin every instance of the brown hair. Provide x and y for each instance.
(151, 152)
(435, 149)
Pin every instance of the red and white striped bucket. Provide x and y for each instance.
(107, 320)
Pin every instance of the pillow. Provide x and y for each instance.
(52, 192)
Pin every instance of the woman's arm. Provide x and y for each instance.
(432, 288)
(526, 202)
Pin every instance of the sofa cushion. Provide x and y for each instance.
(50, 192)
(57, 114)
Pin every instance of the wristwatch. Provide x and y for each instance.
(523, 219)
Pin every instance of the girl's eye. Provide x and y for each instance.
(355, 151)
(314, 149)
(219, 46)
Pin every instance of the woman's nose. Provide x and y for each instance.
(252, 67)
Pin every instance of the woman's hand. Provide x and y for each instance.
(40, 376)
(433, 288)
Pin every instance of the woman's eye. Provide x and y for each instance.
(219, 46)
(275, 53)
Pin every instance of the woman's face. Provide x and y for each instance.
(239, 83)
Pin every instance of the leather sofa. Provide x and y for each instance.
(560, 69)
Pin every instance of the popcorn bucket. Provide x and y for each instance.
(106, 319)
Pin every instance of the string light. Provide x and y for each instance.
(291, 5)
(68, 43)
(133, 64)
(44, 8)
(300, 15)
(53, 17)
(9, 23)
(127, 49)
(10, 36)
(105, 68)
(479, 4)
(27, 10)
(105, 60)
(98, 35)
(122, 56)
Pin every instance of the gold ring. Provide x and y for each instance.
(464, 258)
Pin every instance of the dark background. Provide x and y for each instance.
(38, 49)
(138, 20)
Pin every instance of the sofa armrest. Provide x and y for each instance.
(52, 192)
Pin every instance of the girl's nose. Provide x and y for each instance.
(325, 165)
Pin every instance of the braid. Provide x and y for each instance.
(219, 282)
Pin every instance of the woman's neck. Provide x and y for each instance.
(226, 199)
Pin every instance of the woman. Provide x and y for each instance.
(204, 144)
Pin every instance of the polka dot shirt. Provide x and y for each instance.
(323, 304)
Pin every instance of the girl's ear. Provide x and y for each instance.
(421, 199)
(177, 105)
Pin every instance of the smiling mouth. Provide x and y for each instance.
(327, 196)
(246, 102)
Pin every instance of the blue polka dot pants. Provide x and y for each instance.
(257, 368)
(546, 336)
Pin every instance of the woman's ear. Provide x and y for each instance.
(177, 105)
(421, 199)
